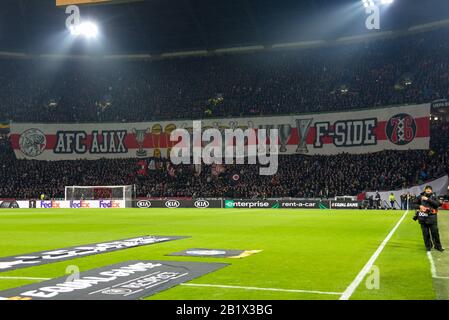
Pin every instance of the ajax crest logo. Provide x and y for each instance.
(401, 129)
(32, 142)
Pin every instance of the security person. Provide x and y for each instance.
(392, 199)
(378, 201)
(427, 205)
(403, 198)
(409, 202)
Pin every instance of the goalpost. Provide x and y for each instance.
(124, 193)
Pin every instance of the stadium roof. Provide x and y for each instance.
(155, 26)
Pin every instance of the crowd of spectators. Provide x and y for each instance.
(410, 69)
(298, 175)
(413, 69)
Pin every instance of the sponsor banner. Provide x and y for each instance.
(44, 257)
(345, 204)
(130, 280)
(215, 253)
(290, 204)
(366, 131)
(78, 204)
(303, 204)
(13, 204)
(173, 204)
(440, 104)
(249, 204)
(276, 204)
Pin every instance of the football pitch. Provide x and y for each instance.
(306, 254)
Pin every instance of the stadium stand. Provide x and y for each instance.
(298, 175)
(410, 69)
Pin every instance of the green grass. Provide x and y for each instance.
(442, 260)
(319, 250)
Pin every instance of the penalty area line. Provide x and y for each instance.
(258, 289)
(368, 266)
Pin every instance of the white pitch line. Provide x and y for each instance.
(258, 289)
(359, 278)
(433, 269)
(23, 278)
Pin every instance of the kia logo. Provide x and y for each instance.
(202, 204)
(143, 204)
(172, 204)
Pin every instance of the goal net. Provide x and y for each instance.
(124, 193)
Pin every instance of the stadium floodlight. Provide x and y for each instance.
(86, 29)
(386, 2)
(371, 3)
(368, 3)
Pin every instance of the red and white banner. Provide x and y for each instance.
(367, 131)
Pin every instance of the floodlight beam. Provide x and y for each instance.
(86, 29)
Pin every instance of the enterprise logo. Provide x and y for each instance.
(246, 204)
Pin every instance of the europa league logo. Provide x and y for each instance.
(303, 127)
(285, 132)
(140, 138)
(262, 148)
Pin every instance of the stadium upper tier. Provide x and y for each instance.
(410, 69)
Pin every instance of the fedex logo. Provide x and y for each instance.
(49, 204)
(109, 204)
(79, 204)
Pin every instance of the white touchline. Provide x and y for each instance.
(359, 278)
(23, 278)
(433, 269)
(257, 288)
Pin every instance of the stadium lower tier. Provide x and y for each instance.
(297, 176)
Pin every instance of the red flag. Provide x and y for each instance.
(142, 171)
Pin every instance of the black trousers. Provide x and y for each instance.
(429, 228)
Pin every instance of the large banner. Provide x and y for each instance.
(367, 131)
(439, 186)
